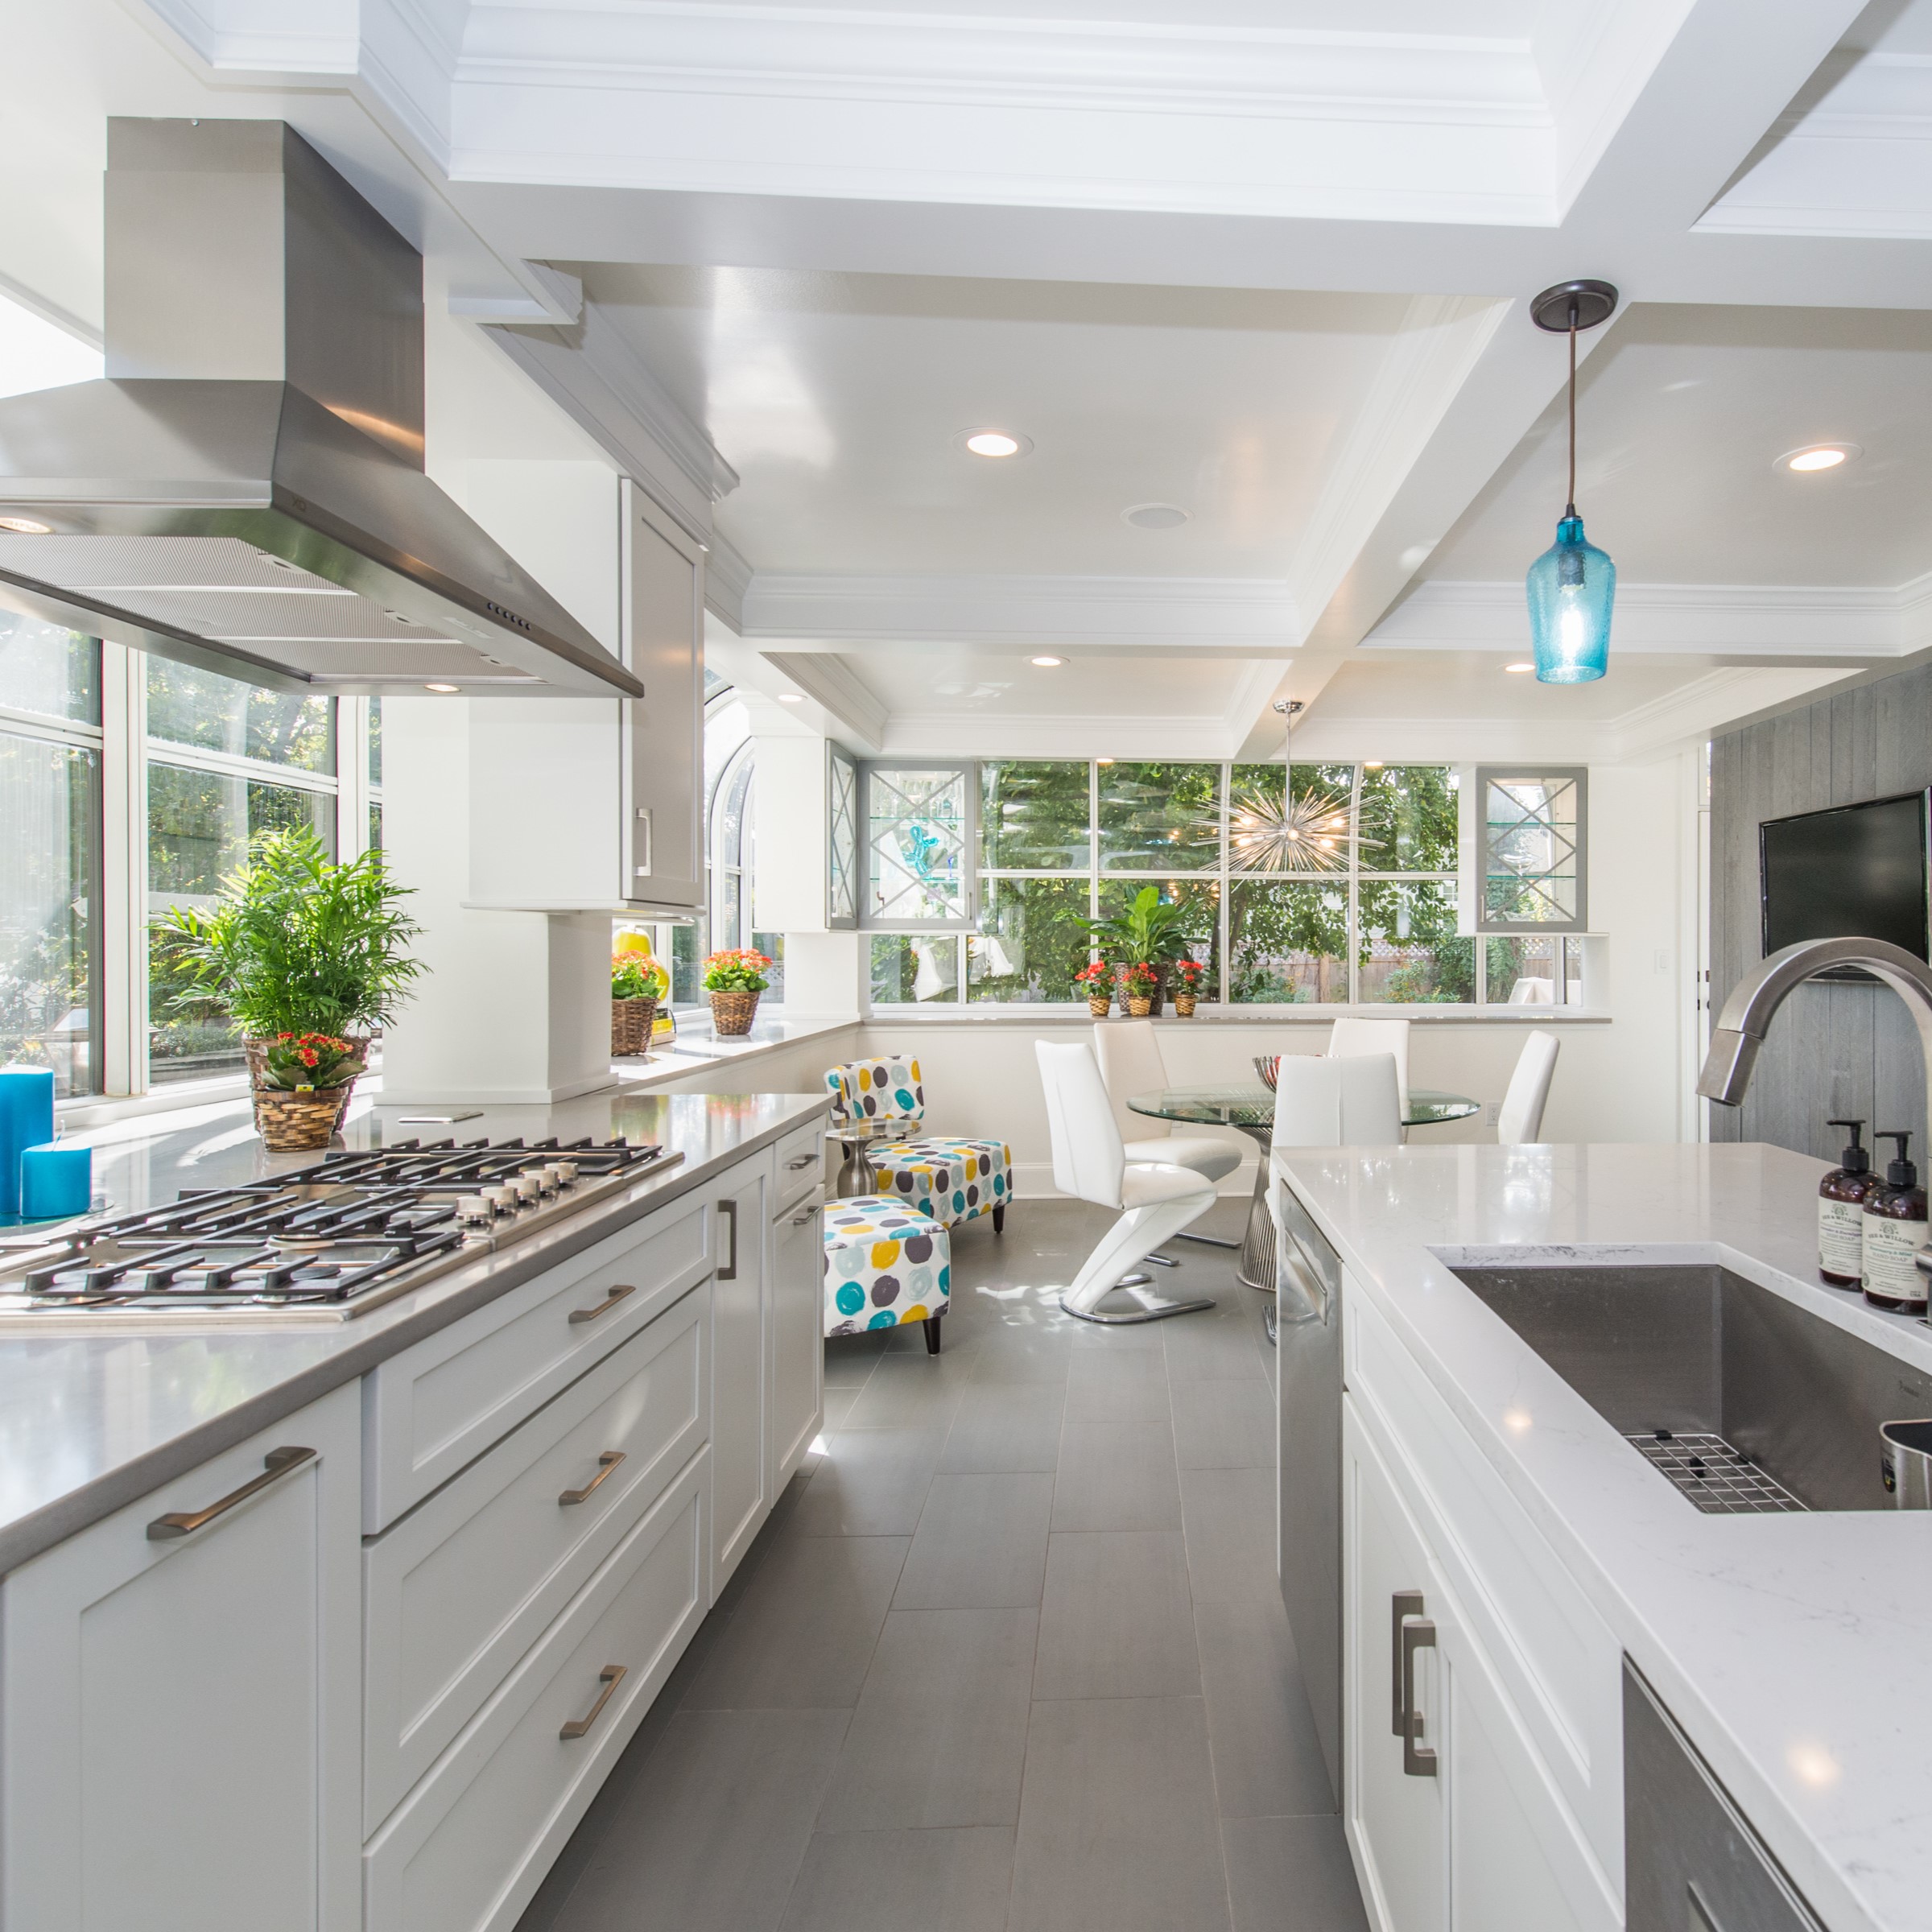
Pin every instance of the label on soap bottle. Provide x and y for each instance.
(1841, 1237)
(1889, 1270)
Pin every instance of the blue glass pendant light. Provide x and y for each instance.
(1572, 585)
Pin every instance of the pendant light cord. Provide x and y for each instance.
(1571, 510)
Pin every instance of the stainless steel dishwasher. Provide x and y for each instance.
(1692, 1862)
(1308, 1553)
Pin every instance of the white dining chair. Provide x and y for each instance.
(1352, 1102)
(1129, 1054)
(1349, 1037)
(1156, 1199)
(1521, 1119)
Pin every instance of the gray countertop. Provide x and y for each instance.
(90, 1422)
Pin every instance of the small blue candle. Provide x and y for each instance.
(27, 1120)
(56, 1181)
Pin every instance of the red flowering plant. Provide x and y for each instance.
(310, 1061)
(740, 970)
(1138, 981)
(1185, 975)
(1095, 979)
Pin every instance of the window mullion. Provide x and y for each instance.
(123, 869)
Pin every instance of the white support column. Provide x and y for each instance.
(351, 777)
(123, 870)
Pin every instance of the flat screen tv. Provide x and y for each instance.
(1853, 871)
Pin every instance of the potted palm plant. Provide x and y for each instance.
(297, 949)
(1153, 932)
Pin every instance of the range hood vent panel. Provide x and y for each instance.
(172, 497)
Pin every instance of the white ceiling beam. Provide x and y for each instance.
(855, 717)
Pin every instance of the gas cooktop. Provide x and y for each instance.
(321, 1243)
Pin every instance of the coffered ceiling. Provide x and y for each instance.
(1266, 261)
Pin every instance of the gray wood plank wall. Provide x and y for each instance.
(1849, 1050)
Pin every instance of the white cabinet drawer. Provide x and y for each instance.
(799, 1163)
(471, 1844)
(437, 1406)
(459, 1589)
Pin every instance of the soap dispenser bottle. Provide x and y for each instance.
(1895, 1230)
(1841, 1199)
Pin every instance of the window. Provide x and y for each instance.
(917, 823)
(1337, 887)
(49, 862)
(1531, 841)
(841, 840)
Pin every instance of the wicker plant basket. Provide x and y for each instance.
(1100, 1004)
(1139, 1005)
(254, 1048)
(1183, 1004)
(631, 1021)
(732, 1013)
(297, 1123)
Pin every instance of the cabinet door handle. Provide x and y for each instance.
(728, 1271)
(609, 1677)
(604, 1307)
(184, 1522)
(804, 1160)
(1404, 1604)
(804, 1215)
(1418, 1761)
(606, 1463)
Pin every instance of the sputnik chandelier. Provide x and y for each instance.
(1289, 834)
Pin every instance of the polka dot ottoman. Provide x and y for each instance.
(951, 1180)
(885, 1264)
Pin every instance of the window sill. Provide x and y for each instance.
(1059, 1011)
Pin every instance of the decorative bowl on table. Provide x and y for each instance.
(1266, 1065)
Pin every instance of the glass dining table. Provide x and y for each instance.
(1250, 1109)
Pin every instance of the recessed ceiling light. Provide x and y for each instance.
(26, 526)
(1048, 663)
(1154, 516)
(1519, 668)
(442, 687)
(994, 443)
(789, 697)
(1818, 456)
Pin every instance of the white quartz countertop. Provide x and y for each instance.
(89, 1422)
(1793, 1649)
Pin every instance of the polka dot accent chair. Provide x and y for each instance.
(885, 1266)
(951, 1180)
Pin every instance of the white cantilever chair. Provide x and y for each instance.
(1157, 1198)
(1349, 1102)
(1521, 1118)
(1349, 1037)
(1128, 1052)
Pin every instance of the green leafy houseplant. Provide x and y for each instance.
(636, 976)
(295, 945)
(1150, 932)
(740, 970)
(297, 1061)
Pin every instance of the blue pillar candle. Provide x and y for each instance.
(27, 1120)
(56, 1181)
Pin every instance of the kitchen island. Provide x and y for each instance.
(397, 1588)
(1789, 1648)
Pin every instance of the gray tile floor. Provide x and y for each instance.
(1010, 1655)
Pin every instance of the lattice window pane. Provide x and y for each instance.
(917, 824)
(842, 844)
(1533, 850)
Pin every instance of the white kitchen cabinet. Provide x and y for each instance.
(1464, 1830)
(581, 804)
(741, 1459)
(179, 1701)
(796, 1372)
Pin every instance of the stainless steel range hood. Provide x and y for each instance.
(244, 490)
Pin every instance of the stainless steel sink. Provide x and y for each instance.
(1745, 1401)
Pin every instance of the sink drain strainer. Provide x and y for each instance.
(1721, 1480)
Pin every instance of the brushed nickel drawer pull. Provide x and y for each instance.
(606, 1463)
(609, 1677)
(804, 1160)
(184, 1522)
(728, 1271)
(804, 1215)
(604, 1307)
(1419, 1760)
(1405, 1605)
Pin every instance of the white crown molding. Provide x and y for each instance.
(1853, 622)
(937, 735)
(1709, 703)
(1229, 614)
(595, 375)
(550, 296)
(830, 683)
(727, 577)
